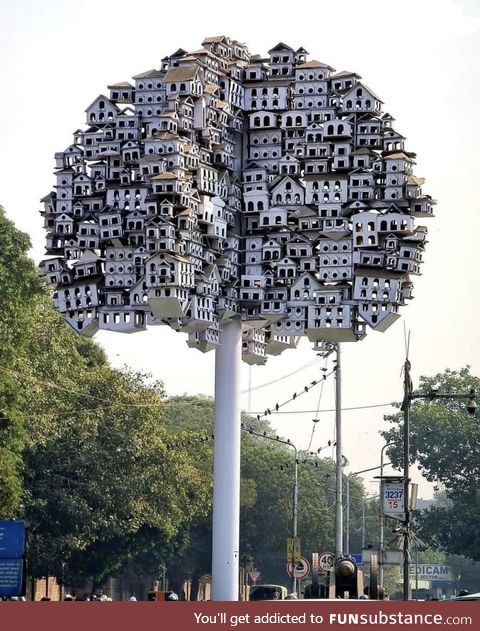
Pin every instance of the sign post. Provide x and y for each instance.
(299, 570)
(326, 561)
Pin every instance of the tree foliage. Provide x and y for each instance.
(21, 292)
(113, 476)
(445, 444)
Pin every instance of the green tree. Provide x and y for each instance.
(446, 447)
(465, 572)
(189, 421)
(103, 475)
(20, 293)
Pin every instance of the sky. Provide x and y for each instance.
(421, 57)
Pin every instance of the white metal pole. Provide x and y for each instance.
(363, 522)
(295, 518)
(347, 520)
(226, 463)
(339, 460)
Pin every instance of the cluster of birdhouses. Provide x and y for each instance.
(225, 184)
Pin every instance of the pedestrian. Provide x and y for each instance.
(291, 596)
(172, 596)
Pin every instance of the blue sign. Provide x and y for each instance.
(12, 539)
(358, 559)
(11, 577)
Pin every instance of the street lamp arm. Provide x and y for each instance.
(366, 470)
(434, 394)
(437, 395)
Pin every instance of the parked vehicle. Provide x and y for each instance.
(467, 597)
(162, 596)
(268, 592)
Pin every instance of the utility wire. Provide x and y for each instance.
(295, 396)
(305, 461)
(81, 412)
(291, 374)
(316, 419)
(269, 411)
(356, 407)
(189, 441)
(50, 384)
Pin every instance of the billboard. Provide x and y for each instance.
(12, 562)
(11, 577)
(431, 572)
(12, 539)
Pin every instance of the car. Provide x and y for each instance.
(467, 597)
(268, 592)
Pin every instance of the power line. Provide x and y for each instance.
(51, 384)
(269, 411)
(357, 407)
(295, 396)
(189, 441)
(291, 374)
(316, 419)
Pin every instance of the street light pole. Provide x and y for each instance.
(295, 518)
(407, 393)
(327, 349)
(339, 457)
(363, 522)
(408, 396)
(287, 442)
(381, 545)
(347, 499)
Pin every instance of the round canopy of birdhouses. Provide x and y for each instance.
(223, 184)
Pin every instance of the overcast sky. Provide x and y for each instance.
(420, 56)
